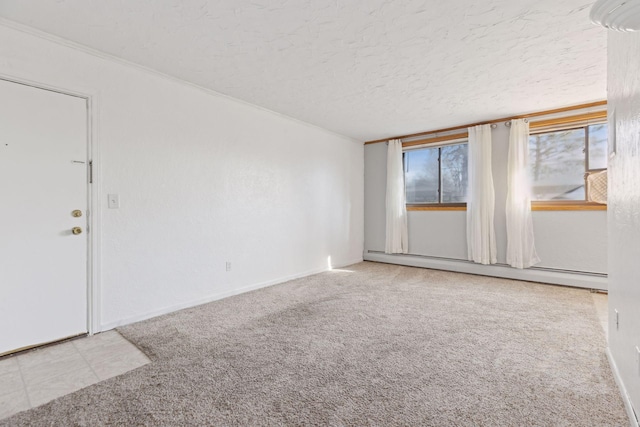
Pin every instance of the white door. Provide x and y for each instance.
(43, 179)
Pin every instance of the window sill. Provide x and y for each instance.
(438, 207)
(567, 206)
(535, 206)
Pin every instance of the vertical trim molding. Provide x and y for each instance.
(633, 420)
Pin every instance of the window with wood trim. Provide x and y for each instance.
(436, 176)
(560, 161)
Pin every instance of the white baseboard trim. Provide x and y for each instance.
(347, 263)
(576, 279)
(633, 420)
(218, 296)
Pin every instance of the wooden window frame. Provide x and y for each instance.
(559, 123)
(439, 206)
(567, 205)
(572, 205)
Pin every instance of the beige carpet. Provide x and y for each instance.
(372, 344)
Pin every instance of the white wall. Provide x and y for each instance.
(565, 240)
(624, 209)
(202, 180)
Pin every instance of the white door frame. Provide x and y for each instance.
(93, 199)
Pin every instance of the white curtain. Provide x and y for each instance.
(397, 239)
(521, 250)
(481, 236)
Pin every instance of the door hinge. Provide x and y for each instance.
(90, 171)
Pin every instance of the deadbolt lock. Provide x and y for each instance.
(76, 230)
(77, 213)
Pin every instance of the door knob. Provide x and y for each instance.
(76, 230)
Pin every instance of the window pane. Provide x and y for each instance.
(598, 146)
(557, 167)
(454, 173)
(421, 175)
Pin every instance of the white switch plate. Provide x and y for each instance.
(114, 201)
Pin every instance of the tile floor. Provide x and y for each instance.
(35, 377)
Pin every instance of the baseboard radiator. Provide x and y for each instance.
(582, 279)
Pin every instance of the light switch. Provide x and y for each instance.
(114, 201)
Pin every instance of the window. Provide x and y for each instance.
(560, 161)
(436, 175)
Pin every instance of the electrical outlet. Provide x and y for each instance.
(617, 319)
(228, 266)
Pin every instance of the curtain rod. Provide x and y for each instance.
(504, 119)
(559, 121)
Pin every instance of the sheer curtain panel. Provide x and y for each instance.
(481, 236)
(521, 250)
(397, 239)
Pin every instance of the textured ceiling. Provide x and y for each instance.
(368, 69)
